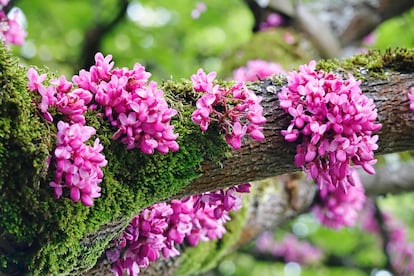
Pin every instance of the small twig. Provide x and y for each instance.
(384, 235)
(258, 14)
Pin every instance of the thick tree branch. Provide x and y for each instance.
(393, 178)
(333, 25)
(288, 196)
(257, 161)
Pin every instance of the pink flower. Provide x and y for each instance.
(234, 138)
(158, 228)
(203, 82)
(198, 10)
(257, 70)
(34, 79)
(337, 208)
(61, 84)
(290, 249)
(137, 110)
(411, 99)
(334, 122)
(14, 33)
(289, 38)
(399, 248)
(272, 20)
(78, 166)
(245, 115)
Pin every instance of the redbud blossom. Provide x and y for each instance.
(158, 228)
(400, 249)
(334, 122)
(335, 208)
(78, 166)
(137, 110)
(11, 30)
(242, 112)
(291, 249)
(257, 70)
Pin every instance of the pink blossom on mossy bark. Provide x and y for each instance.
(334, 123)
(137, 110)
(158, 228)
(237, 110)
(78, 166)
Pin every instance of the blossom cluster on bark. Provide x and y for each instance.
(158, 228)
(136, 110)
(236, 109)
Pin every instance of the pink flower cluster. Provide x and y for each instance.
(11, 30)
(137, 111)
(272, 20)
(336, 208)
(400, 249)
(158, 228)
(290, 249)
(237, 110)
(78, 165)
(257, 70)
(333, 121)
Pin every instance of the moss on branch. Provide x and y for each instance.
(41, 235)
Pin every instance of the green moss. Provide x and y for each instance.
(50, 236)
(206, 255)
(374, 64)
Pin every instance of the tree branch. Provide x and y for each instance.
(132, 180)
(257, 161)
(385, 236)
(335, 25)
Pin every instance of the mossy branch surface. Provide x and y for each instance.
(40, 235)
